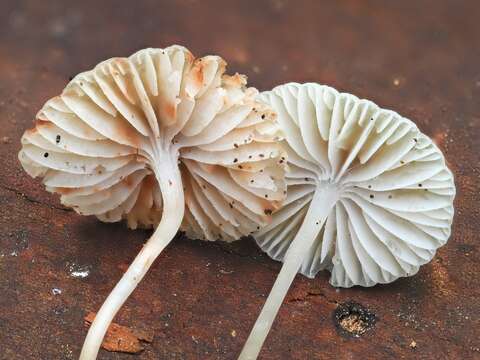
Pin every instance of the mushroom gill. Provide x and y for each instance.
(370, 197)
(162, 140)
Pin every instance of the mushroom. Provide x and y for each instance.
(162, 140)
(369, 196)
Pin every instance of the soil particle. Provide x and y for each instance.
(353, 319)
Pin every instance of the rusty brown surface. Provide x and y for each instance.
(121, 338)
(421, 58)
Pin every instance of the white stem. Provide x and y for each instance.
(169, 178)
(323, 201)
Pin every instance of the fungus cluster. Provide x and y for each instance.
(162, 140)
(322, 179)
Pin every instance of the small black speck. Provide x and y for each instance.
(45, 155)
(402, 162)
(57, 139)
(415, 139)
(266, 196)
(284, 192)
(170, 182)
(240, 167)
(258, 227)
(371, 196)
(316, 223)
(369, 186)
(252, 181)
(261, 155)
(70, 78)
(235, 145)
(390, 196)
(235, 160)
(268, 211)
(371, 119)
(419, 185)
(231, 205)
(263, 116)
(250, 156)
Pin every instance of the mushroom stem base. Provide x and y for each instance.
(169, 178)
(322, 203)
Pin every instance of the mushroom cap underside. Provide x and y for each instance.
(101, 143)
(395, 193)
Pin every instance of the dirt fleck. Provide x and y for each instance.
(121, 338)
(441, 281)
(413, 344)
(353, 319)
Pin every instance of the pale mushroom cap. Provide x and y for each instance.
(395, 192)
(97, 143)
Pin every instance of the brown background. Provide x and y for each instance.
(421, 58)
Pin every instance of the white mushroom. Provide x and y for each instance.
(159, 139)
(369, 196)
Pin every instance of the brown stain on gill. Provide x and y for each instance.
(170, 110)
(197, 72)
(236, 80)
(65, 190)
(128, 133)
(128, 181)
(44, 123)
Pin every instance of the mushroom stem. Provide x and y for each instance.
(169, 178)
(323, 201)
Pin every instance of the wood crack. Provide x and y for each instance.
(32, 200)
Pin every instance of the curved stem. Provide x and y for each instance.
(323, 201)
(169, 178)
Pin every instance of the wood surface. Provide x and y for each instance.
(420, 58)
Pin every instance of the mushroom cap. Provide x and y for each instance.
(394, 191)
(101, 143)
